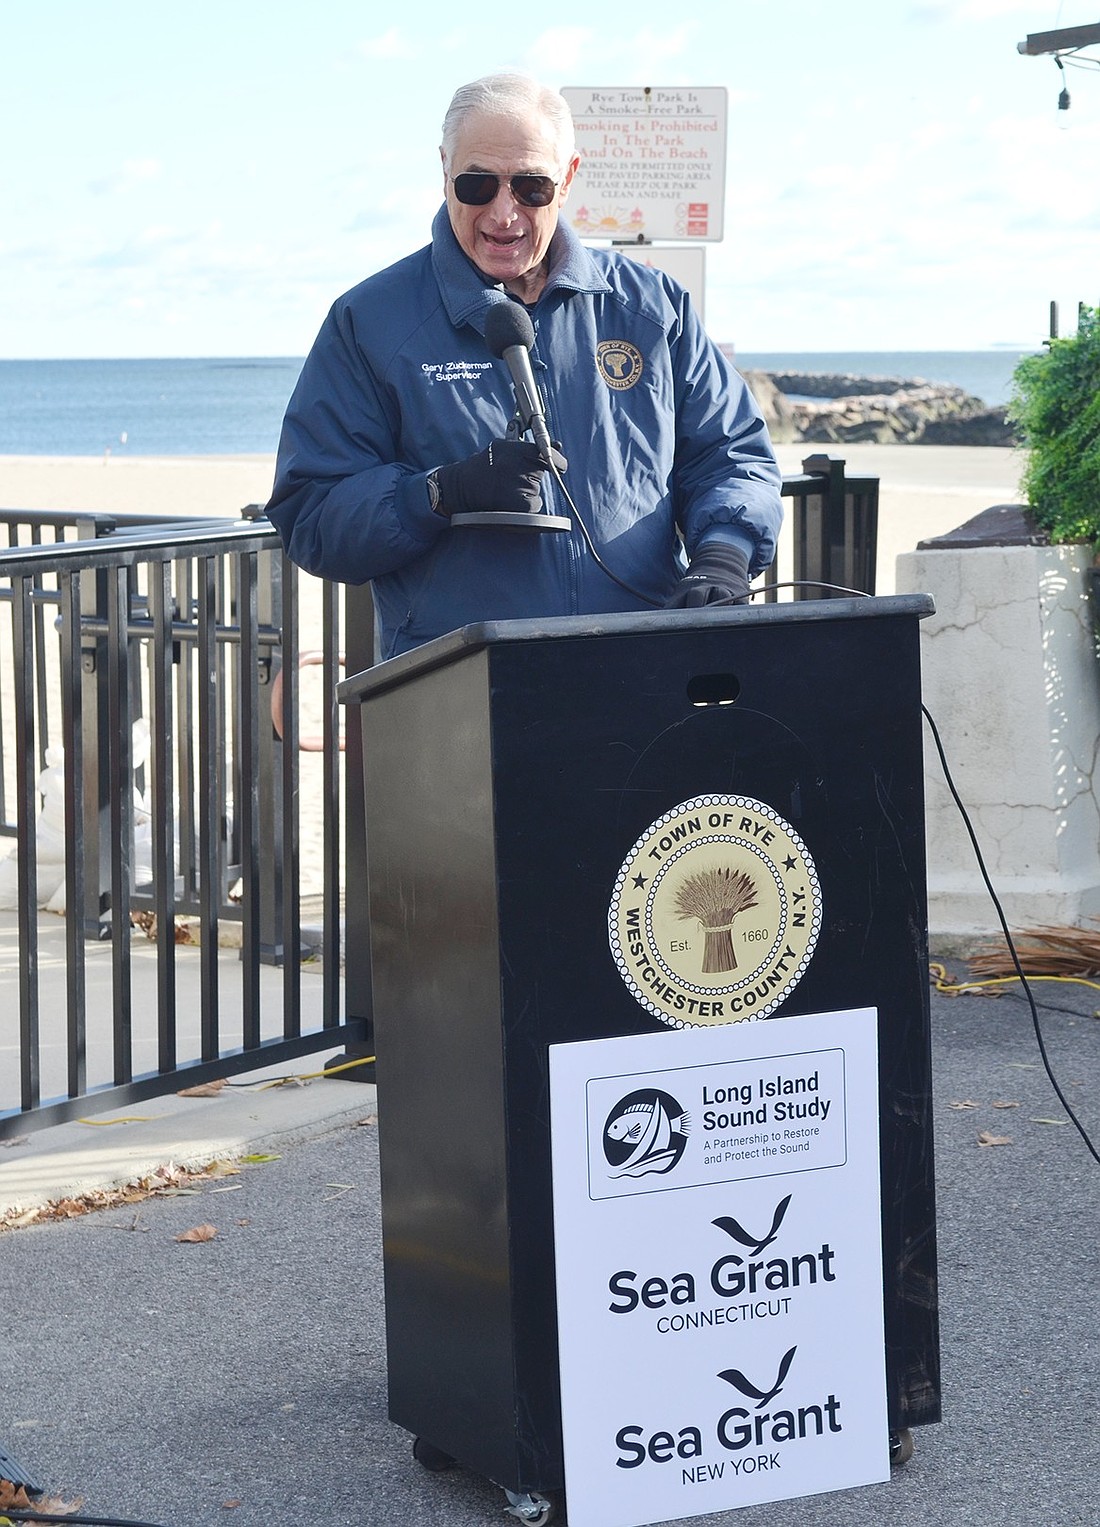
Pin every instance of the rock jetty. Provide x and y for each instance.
(822, 407)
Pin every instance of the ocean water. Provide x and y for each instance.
(144, 407)
(235, 406)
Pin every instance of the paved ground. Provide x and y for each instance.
(242, 1381)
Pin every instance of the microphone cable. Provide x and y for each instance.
(1014, 955)
(1020, 975)
(657, 604)
(998, 908)
(599, 561)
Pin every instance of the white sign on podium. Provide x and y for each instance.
(719, 1267)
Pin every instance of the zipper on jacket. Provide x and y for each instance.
(571, 553)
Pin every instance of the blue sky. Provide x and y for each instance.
(205, 179)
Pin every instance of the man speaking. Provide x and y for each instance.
(404, 459)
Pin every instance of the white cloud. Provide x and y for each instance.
(133, 175)
(560, 50)
(391, 44)
(975, 10)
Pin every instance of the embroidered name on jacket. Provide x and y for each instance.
(455, 371)
(619, 363)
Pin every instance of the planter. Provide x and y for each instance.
(1010, 678)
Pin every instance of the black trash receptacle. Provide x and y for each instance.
(508, 769)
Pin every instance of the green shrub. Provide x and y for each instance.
(1055, 409)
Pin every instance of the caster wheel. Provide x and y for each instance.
(430, 1457)
(901, 1447)
(532, 1508)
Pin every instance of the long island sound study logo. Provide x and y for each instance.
(645, 1133)
(716, 912)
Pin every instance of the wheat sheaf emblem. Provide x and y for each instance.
(715, 898)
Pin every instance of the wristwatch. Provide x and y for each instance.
(435, 496)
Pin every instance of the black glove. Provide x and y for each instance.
(717, 574)
(503, 478)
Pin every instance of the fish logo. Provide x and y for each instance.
(645, 1133)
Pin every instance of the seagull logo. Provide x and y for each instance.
(735, 1377)
(745, 1237)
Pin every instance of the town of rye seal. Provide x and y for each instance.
(715, 913)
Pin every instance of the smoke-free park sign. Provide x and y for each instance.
(653, 163)
(719, 1267)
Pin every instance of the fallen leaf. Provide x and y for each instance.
(258, 1157)
(13, 1141)
(964, 1103)
(371, 1118)
(228, 1505)
(15, 1498)
(14, 1495)
(986, 1138)
(1003, 1103)
(198, 1233)
(166, 1182)
(203, 1090)
(1048, 1121)
(221, 1169)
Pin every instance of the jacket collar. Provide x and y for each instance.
(467, 295)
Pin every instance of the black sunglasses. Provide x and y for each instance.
(477, 188)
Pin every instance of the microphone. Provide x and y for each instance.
(509, 333)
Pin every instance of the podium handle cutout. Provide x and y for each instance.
(707, 689)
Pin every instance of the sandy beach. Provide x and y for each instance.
(925, 490)
(170, 485)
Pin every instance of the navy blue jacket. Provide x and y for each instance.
(664, 442)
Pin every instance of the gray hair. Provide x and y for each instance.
(510, 95)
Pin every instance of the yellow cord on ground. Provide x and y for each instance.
(941, 982)
(130, 1118)
(309, 1076)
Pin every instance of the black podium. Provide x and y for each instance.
(508, 769)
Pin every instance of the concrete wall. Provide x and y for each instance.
(1012, 680)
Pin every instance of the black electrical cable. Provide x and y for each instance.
(1077, 60)
(599, 561)
(89, 1521)
(812, 583)
(658, 604)
(1008, 936)
(861, 593)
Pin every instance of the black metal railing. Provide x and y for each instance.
(834, 532)
(136, 728)
(151, 784)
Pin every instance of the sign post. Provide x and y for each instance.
(653, 166)
(717, 1224)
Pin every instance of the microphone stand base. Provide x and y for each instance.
(508, 521)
